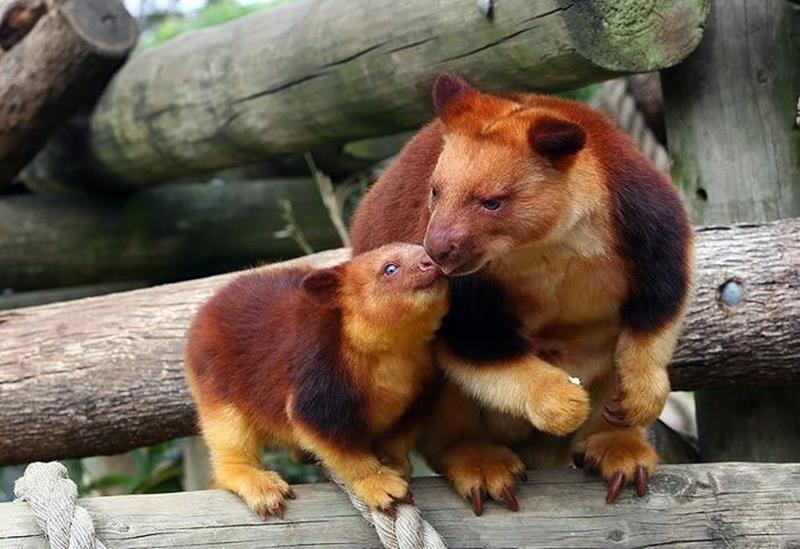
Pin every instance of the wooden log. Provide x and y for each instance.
(65, 61)
(105, 374)
(729, 113)
(16, 300)
(313, 72)
(156, 235)
(65, 164)
(697, 506)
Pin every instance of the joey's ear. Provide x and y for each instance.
(556, 138)
(322, 284)
(447, 87)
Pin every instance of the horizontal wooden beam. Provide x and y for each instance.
(171, 232)
(105, 374)
(313, 72)
(689, 506)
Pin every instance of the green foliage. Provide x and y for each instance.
(159, 469)
(215, 13)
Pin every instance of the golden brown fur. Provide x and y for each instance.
(327, 362)
(578, 252)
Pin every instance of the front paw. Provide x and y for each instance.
(558, 405)
(621, 457)
(382, 489)
(477, 468)
(640, 399)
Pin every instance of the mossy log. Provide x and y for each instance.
(64, 62)
(730, 505)
(105, 374)
(162, 234)
(313, 72)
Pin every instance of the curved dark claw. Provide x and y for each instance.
(476, 496)
(291, 494)
(589, 464)
(615, 418)
(391, 511)
(263, 513)
(278, 511)
(408, 498)
(614, 486)
(510, 499)
(641, 480)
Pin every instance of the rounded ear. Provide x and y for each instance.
(446, 88)
(556, 138)
(322, 285)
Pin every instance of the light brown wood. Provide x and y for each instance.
(105, 374)
(729, 114)
(314, 72)
(724, 505)
(64, 62)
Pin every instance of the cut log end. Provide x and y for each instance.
(635, 35)
(105, 26)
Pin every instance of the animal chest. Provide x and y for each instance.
(393, 384)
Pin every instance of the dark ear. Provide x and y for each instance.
(446, 88)
(322, 284)
(556, 138)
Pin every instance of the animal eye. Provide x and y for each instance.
(492, 204)
(390, 269)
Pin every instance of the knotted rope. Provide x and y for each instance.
(407, 531)
(52, 495)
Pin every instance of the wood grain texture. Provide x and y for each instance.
(161, 234)
(729, 112)
(66, 60)
(322, 71)
(720, 505)
(105, 374)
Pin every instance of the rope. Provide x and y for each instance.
(52, 495)
(408, 531)
(614, 100)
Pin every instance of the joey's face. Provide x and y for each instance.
(395, 284)
(500, 181)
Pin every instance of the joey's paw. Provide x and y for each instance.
(622, 458)
(267, 495)
(557, 404)
(382, 489)
(639, 401)
(479, 469)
